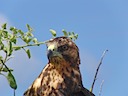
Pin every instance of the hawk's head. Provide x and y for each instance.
(63, 48)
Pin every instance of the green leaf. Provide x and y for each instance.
(53, 32)
(5, 34)
(12, 28)
(1, 58)
(10, 50)
(29, 28)
(28, 53)
(17, 48)
(21, 33)
(15, 31)
(69, 33)
(5, 49)
(10, 45)
(26, 39)
(1, 32)
(73, 33)
(35, 40)
(65, 33)
(13, 39)
(1, 46)
(4, 26)
(6, 70)
(11, 81)
(70, 36)
(1, 67)
(76, 36)
(29, 34)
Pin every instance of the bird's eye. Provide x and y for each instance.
(65, 47)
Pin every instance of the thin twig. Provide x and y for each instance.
(14, 94)
(36, 44)
(5, 66)
(9, 58)
(2, 74)
(97, 70)
(101, 85)
(3, 63)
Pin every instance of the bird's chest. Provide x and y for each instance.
(58, 82)
(53, 80)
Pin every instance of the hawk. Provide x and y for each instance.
(61, 76)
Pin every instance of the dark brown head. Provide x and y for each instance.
(63, 48)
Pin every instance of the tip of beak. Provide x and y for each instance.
(49, 54)
(53, 54)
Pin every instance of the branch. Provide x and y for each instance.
(5, 65)
(27, 45)
(97, 70)
(101, 87)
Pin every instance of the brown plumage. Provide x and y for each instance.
(61, 76)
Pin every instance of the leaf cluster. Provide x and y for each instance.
(71, 35)
(9, 43)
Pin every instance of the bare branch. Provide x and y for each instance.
(97, 70)
(101, 85)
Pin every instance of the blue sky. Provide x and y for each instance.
(101, 24)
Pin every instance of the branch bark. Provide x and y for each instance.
(97, 70)
(101, 87)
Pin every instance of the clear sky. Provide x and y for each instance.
(101, 24)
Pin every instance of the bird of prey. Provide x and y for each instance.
(61, 76)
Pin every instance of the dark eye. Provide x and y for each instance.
(63, 48)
